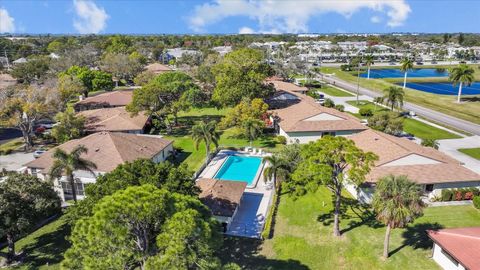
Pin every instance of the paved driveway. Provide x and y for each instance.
(15, 161)
(450, 147)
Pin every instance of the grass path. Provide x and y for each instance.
(333, 91)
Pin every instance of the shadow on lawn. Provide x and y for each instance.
(355, 213)
(245, 252)
(416, 236)
(47, 249)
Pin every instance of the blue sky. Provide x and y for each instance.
(237, 16)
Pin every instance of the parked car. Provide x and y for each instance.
(38, 153)
(434, 61)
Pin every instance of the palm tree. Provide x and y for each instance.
(396, 202)
(206, 132)
(405, 65)
(462, 74)
(394, 96)
(252, 128)
(66, 163)
(369, 62)
(278, 167)
(378, 100)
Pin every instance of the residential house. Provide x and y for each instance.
(286, 86)
(107, 150)
(115, 119)
(105, 100)
(430, 168)
(456, 249)
(157, 68)
(222, 197)
(21, 60)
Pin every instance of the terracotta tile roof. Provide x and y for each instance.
(463, 244)
(222, 197)
(281, 85)
(390, 148)
(113, 119)
(291, 118)
(108, 99)
(157, 68)
(108, 149)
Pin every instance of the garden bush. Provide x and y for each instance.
(281, 139)
(367, 112)
(458, 195)
(468, 195)
(447, 195)
(329, 103)
(340, 107)
(476, 202)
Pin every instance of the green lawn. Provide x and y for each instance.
(473, 152)
(468, 110)
(11, 145)
(44, 248)
(333, 91)
(303, 238)
(419, 129)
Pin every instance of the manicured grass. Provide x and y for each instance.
(473, 152)
(303, 237)
(468, 110)
(333, 91)
(45, 247)
(11, 145)
(417, 128)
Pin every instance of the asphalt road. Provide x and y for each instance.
(419, 110)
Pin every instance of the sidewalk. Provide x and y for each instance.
(451, 146)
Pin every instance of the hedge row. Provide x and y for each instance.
(459, 194)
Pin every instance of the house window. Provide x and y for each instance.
(67, 188)
(429, 188)
(328, 134)
(449, 257)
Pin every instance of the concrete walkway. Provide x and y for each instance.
(451, 146)
(15, 161)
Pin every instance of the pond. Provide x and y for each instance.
(445, 88)
(397, 73)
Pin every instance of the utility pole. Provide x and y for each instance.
(358, 79)
(8, 64)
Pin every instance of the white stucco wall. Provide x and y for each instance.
(443, 260)
(306, 137)
(437, 188)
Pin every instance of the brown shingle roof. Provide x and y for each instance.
(463, 244)
(281, 85)
(113, 119)
(222, 197)
(108, 99)
(390, 148)
(157, 68)
(108, 149)
(291, 118)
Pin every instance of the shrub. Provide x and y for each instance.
(458, 195)
(367, 112)
(281, 140)
(463, 191)
(329, 103)
(468, 195)
(313, 94)
(340, 107)
(476, 202)
(447, 195)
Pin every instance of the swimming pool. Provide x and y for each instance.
(239, 168)
(397, 73)
(444, 88)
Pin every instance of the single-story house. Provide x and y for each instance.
(157, 68)
(114, 119)
(430, 168)
(303, 120)
(456, 249)
(287, 86)
(105, 100)
(107, 150)
(222, 197)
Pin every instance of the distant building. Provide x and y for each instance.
(115, 119)
(105, 100)
(222, 50)
(20, 61)
(157, 68)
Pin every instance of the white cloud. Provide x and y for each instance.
(246, 30)
(7, 23)
(91, 19)
(291, 16)
(375, 19)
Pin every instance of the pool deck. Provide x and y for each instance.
(253, 210)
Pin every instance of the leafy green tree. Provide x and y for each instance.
(394, 97)
(70, 126)
(388, 122)
(122, 66)
(144, 78)
(241, 74)
(430, 143)
(252, 128)
(91, 79)
(146, 228)
(34, 70)
(102, 80)
(67, 163)
(405, 65)
(139, 172)
(119, 44)
(330, 162)
(69, 87)
(397, 202)
(206, 132)
(369, 61)
(24, 201)
(462, 74)
(246, 109)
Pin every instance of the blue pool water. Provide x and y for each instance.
(397, 73)
(444, 88)
(239, 168)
